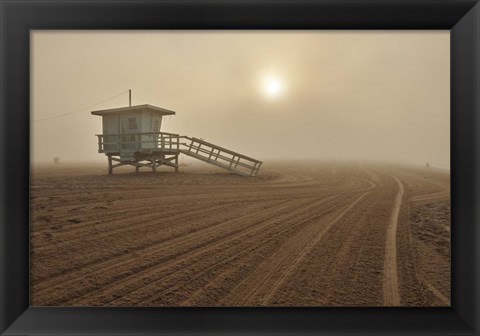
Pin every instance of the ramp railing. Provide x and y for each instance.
(220, 157)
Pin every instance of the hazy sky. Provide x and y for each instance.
(373, 95)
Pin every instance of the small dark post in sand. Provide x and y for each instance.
(56, 160)
(131, 136)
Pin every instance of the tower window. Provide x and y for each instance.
(156, 125)
(132, 123)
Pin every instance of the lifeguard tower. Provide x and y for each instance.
(131, 136)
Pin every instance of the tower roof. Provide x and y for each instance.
(136, 108)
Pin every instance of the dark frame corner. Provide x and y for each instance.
(18, 17)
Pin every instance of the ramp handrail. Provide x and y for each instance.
(203, 142)
(216, 155)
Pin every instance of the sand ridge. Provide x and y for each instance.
(390, 285)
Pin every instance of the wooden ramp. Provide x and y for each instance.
(220, 157)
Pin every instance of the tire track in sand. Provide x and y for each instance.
(144, 293)
(274, 242)
(391, 296)
(260, 281)
(49, 287)
(269, 240)
(434, 291)
(302, 255)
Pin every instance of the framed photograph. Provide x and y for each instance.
(229, 167)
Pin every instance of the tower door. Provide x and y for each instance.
(111, 130)
(129, 130)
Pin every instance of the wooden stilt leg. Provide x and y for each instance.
(176, 163)
(137, 169)
(110, 168)
(154, 165)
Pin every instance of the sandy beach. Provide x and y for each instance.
(309, 234)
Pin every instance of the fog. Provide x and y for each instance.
(316, 95)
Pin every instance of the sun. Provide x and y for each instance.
(273, 87)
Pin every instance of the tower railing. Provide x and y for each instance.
(138, 142)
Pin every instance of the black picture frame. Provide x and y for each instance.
(18, 17)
